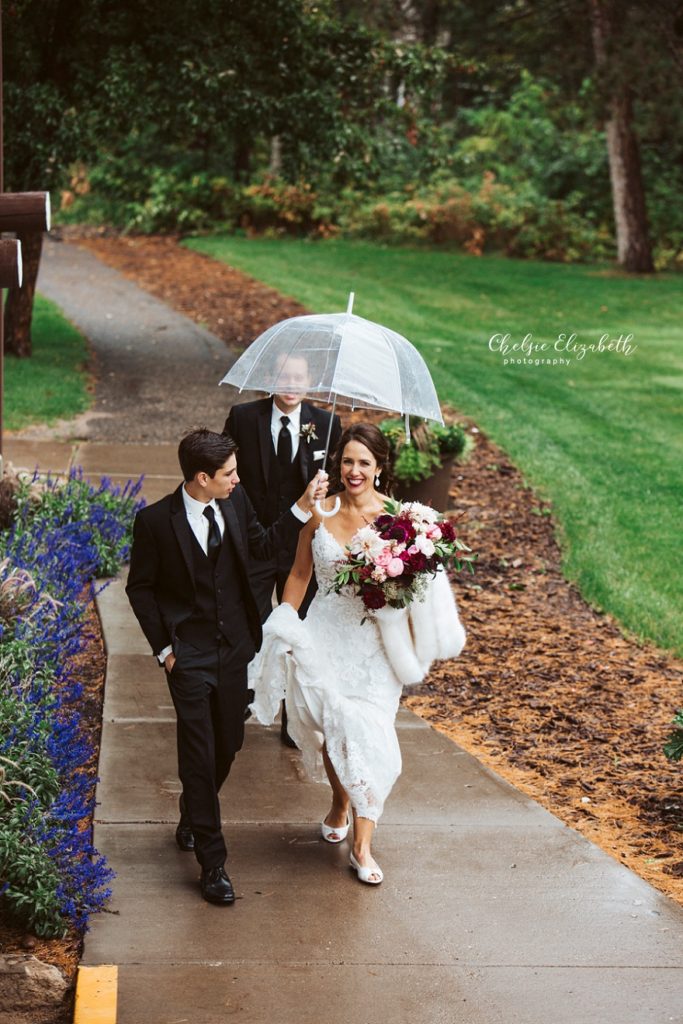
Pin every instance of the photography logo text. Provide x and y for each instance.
(566, 348)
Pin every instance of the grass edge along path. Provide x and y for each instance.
(53, 383)
(600, 435)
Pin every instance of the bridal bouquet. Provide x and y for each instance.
(391, 561)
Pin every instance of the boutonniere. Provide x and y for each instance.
(308, 431)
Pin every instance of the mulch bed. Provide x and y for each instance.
(231, 305)
(548, 692)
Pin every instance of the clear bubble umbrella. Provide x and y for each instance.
(339, 357)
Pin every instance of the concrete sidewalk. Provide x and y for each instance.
(155, 370)
(492, 910)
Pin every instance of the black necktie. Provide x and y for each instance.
(284, 444)
(213, 544)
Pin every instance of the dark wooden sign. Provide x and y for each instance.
(11, 270)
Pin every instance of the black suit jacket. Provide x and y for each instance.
(160, 584)
(249, 427)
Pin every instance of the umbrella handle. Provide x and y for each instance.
(327, 515)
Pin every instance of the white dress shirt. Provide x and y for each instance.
(294, 426)
(199, 524)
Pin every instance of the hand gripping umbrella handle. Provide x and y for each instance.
(327, 515)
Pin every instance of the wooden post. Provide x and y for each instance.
(11, 269)
(28, 215)
(24, 211)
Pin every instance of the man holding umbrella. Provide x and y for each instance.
(281, 442)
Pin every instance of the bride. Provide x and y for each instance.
(341, 692)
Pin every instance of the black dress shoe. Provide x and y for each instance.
(184, 838)
(217, 887)
(286, 738)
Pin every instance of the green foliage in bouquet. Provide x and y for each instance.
(674, 745)
(420, 457)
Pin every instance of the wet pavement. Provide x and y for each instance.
(156, 372)
(492, 910)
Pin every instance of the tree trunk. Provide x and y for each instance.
(634, 251)
(19, 308)
(275, 167)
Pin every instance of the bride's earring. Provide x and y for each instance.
(377, 480)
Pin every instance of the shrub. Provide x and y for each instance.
(489, 216)
(176, 203)
(419, 457)
(273, 205)
(51, 878)
(93, 522)
(674, 745)
(475, 214)
(142, 197)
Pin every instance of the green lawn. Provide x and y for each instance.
(52, 384)
(602, 437)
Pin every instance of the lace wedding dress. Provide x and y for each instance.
(338, 684)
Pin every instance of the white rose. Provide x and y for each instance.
(425, 545)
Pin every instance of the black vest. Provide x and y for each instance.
(219, 612)
(285, 485)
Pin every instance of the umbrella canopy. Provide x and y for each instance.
(339, 356)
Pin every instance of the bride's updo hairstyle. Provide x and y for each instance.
(373, 439)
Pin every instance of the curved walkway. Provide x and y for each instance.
(492, 909)
(156, 372)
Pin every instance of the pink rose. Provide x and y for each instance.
(395, 567)
(413, 549)
(383, 558)
(434, 533)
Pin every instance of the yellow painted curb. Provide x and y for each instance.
(96, 991)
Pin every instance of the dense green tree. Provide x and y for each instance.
(200, 86)
(173, 106)
(623, 57)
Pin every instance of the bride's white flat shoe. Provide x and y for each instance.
(364, 874)
(334, 835)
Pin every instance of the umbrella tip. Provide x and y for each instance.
(349, 307)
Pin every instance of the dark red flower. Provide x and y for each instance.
(398, 532)
(372, 597)
(447, 531)
(417, 562)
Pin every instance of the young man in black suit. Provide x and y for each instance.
(189, 587)
(281, 443)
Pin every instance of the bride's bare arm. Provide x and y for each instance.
(302, 570)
